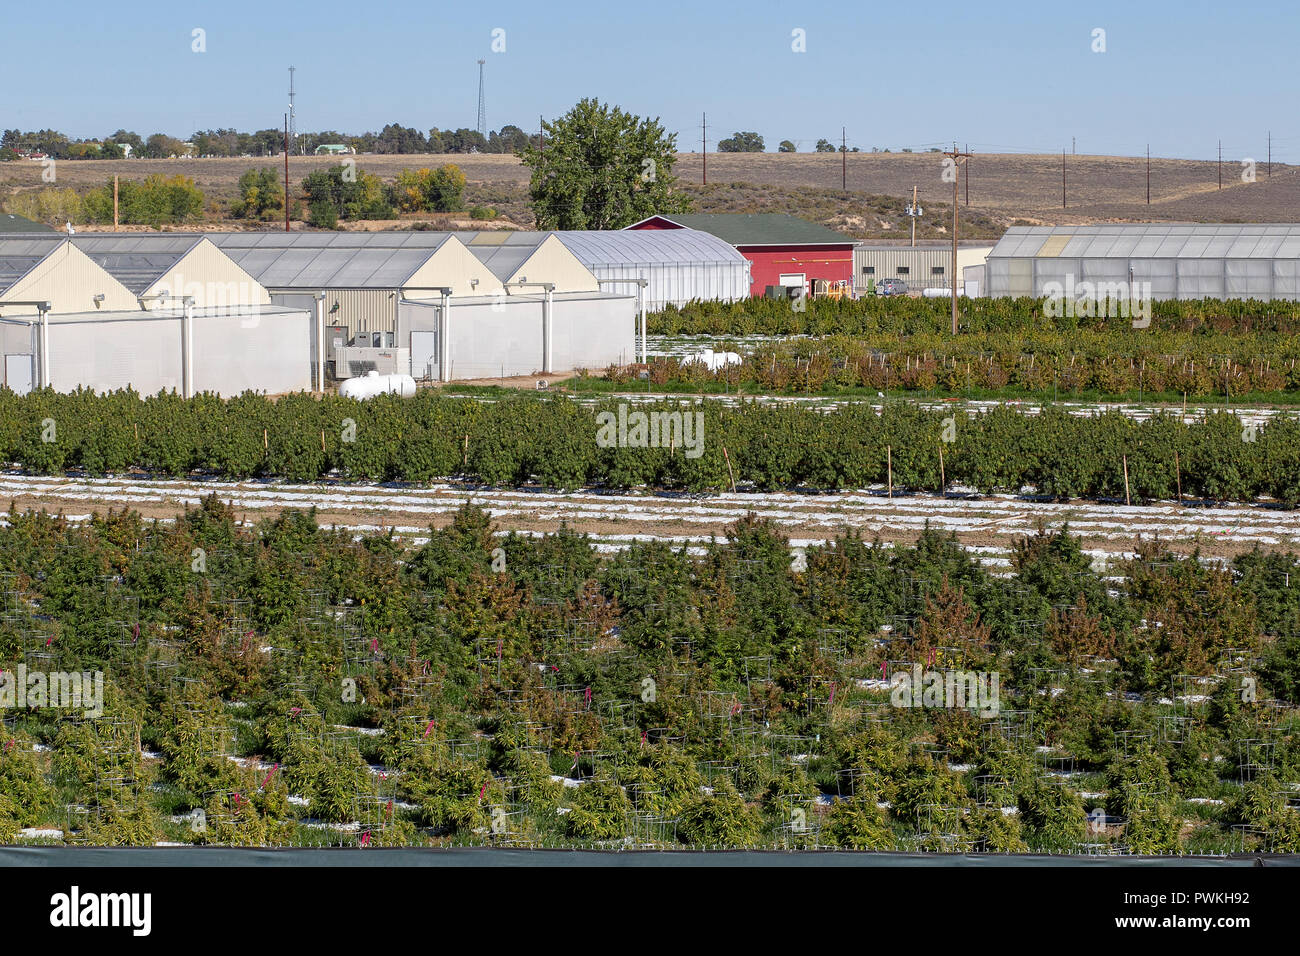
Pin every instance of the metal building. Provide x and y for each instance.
(530, 257)
(362, 276)
(679, 265)
(1148, 260)
(923, 266)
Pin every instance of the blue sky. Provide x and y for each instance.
(1004, 77)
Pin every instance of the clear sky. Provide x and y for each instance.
(1001, 77)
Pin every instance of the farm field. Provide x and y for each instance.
(987, 526)
(277, 683)
(1004, 188)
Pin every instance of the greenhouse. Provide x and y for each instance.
(1149, 260)
(679, 265)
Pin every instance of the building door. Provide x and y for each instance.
(18, 373)
(424, 356)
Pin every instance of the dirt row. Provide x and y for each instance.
(988, 525)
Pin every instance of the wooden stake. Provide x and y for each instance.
(265, 446)
(1178, 475)
(322, 440)
(943, 482)
(889, 462)
(730, 473)
(1127, 501)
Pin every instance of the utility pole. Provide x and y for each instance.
(1062, 177)
(913, 211)
(955, 157)
(1270, 154)
(965, 177)
(293, 116)
(286, 172)
(1148, 174)
(541, 135)
(704, 148)
(1220, 164)
(844, 160)
(1074, 150)
(482, 104)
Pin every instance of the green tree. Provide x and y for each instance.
(741, 143)
(260, 194)
(824, 146)
(786, 147)
(428, 190)
(160, 146)
(157, 200)
(353, 193)
(602, 169)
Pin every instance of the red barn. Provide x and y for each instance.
(783, 250)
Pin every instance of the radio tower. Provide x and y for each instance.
(482, 109)
(293, 119)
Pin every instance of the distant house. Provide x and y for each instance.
(334, 149)
(12, 223)
(783, 250)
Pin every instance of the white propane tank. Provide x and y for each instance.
(372, 384)
(937, 293)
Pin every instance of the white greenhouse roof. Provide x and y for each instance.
(649, 246)
(1152, 241)
(313, 268)
(425, 239)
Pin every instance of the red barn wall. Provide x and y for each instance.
(816, 262)
(655, 222)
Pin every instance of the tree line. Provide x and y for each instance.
(554, 442)
(393, 139)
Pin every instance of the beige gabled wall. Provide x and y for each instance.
(212, 277)
(69, 280)
(453, 265)
(553, 262)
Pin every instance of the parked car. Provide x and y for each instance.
(891, 287)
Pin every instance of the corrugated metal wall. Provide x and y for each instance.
(369, 310)
(920, 263)
(913, 265)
